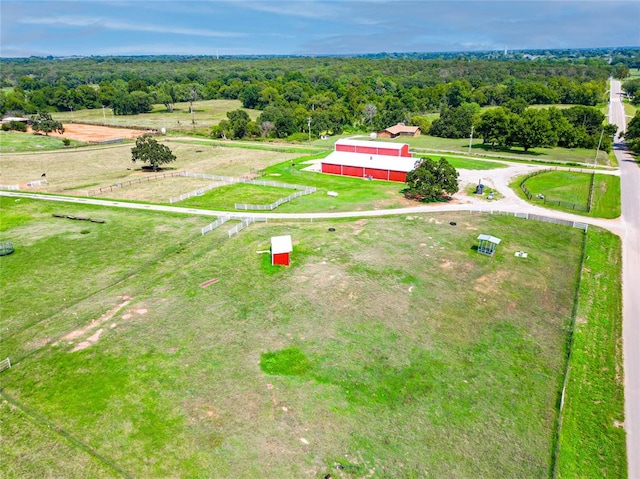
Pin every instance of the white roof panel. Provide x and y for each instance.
(490, 238)
(281, 244)
(375, 144)
(380, 162)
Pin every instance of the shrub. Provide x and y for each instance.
(14, 126)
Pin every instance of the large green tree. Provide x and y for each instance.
(44, 123)
(431, 180)
(496, 126)
(534, 129)
(632, 135)
(455, 122)
(148, 150)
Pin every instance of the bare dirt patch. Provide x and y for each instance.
(491, 283)
(91, 340)
(96, 133)
(80, 332)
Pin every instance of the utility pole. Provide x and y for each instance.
(309, 124)
(104, 116)
(470, 139)
(595, 160)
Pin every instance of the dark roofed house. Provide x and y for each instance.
(399, 130)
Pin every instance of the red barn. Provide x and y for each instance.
(369, 159)
(373, 147)
(281, 248)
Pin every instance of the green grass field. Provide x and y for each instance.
(572, 188)
(12, 142)
(592, 438)
(389, 347)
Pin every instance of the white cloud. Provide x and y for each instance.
(81, 22)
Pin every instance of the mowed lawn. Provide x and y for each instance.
(12, 142)
(416, 356)
(571, 189)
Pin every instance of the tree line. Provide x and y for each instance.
(301, 96)
(337, 93)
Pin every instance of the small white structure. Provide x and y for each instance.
(281, 248)
(487, 244)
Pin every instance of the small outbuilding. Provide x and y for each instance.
(281, 248)
(399, 130)
(487, 244)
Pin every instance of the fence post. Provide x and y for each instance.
(590, 202)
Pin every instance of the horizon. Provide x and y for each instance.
(527, 51)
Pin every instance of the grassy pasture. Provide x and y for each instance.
(396, 350)
(573, 188)
(78, 170)
(12, 142)
(206, 114)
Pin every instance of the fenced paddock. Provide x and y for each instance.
(586, 208)
(272, 206)
(242, 309)
(124, 184)
(228, 180)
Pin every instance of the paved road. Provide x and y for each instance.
(630, 184)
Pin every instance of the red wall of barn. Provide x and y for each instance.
(388, 152)
(281, 259)
(369, 150)
(353, 171)
(330, 168)
(349, 148)
(397, 176)
(405, 151)
(377, 174)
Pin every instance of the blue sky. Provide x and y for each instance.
(309, 27)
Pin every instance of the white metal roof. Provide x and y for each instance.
(380, 162)
(375, 144)
(491, 239)
(281, 244)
